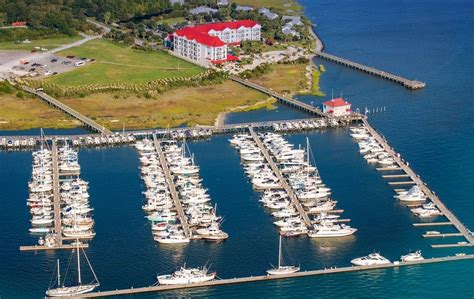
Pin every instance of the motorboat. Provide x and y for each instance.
(370, 260)
(186, 276)
(328, 229)
(412, 257)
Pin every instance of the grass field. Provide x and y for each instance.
(22, 114)
(43, 43)
(285, 78)
(277, 4)
(120, 64)
(197, 105)
(172, 21)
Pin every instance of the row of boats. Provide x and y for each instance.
(296, 170)
(374, 153)
(176, 199)
(304, 125)
(76, 220)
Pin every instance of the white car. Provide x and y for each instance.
(79, 63)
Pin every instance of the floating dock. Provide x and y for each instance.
(294, 200)
(432, 223)
(465, 244)
(241, 280)
(411, 84)
(62, 246)
(447, 235)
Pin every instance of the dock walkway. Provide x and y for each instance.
(411, 84)
(174, 194)
(241, 280)
(56, 196)
(68, 110)
(417, 180)
(294, 200)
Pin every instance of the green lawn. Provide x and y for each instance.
(277, 4)
(120, 64)
(50, 43)
(172, 21)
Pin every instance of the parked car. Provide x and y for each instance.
(79, 63)
(54, 60)
(70, 56)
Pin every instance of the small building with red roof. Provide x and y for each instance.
(337, 107)
(209, 42)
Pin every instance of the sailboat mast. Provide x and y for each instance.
(78, 264)
(279, 253)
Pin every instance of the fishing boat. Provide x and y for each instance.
(68, 291)
(281, 270)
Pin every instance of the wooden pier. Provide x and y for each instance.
(411, 84)
(388, 168)
(417, 180)
(242, 280)
(294, 200)
(289, 101)
(68, 110)
(174, 194)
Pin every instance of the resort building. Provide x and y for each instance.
(337, 107)
(209, 42)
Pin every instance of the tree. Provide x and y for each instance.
(107, 16)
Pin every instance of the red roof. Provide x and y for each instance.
(229, 58)
(18, 24)
(200, 33)
(339, 102)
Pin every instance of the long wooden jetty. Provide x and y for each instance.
(411, 84)
(447, 235)
(61, 246)
(253, 279)
(68, 110)
(172, 188)
(417, 180)
(294, 200)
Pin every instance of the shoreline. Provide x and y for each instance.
(220, 119)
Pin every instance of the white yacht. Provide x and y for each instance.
(186, 276)
(371, 259)
(281, 270)
(328, 229)
(412, 257)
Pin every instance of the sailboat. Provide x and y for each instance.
(280, 270)
(63, 291)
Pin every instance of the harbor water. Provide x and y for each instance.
(431, 128)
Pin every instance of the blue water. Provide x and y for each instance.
(431, 128)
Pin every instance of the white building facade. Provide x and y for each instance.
(209, 42)
(337, 107)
